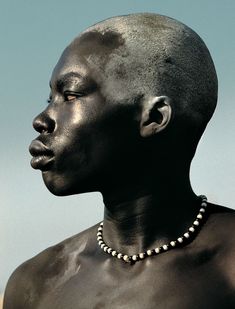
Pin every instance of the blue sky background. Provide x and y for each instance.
(33, 35)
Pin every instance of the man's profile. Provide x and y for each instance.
(130, 99)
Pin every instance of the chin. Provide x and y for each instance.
(56, 184)
(58, 191)
(61, 186)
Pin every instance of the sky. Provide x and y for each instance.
(33, 36)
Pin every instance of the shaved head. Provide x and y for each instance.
(146, 55)
(160, 56)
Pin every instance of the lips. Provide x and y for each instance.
(43, 157)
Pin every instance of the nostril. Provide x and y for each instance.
(37, 124)
(43, 124)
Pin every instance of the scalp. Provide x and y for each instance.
(154, 55)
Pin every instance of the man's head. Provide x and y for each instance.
(124, 86)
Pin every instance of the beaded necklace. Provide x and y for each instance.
(151, 252)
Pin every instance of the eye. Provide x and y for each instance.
(70, 96)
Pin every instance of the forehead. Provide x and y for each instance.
(98, 42)
(99, 58)
(91, 50)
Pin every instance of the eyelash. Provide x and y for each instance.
(66, 95)
(72, 94)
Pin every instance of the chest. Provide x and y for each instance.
(157, 287)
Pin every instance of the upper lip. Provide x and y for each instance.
(37, 148)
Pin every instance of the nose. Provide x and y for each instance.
(43, 123)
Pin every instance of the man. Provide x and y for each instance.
(130, 98)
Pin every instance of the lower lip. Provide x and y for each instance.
(42, 162)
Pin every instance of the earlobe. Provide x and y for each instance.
(156, 115)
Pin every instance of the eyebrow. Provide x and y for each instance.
(66, 77)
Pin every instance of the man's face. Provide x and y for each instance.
(86, 137)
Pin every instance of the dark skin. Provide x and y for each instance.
(88, 142)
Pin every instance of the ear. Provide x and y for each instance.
(156, 115)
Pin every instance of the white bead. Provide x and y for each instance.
(173, 243)
(157, 250)
(203, 197)
(126, 258)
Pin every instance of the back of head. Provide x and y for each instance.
(154, 55)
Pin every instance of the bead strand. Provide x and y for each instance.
(151, 252)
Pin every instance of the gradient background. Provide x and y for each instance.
(33, 35)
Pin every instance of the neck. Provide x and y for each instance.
(150, 213)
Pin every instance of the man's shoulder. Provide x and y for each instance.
(221, 226)
(29, 280)
(222, 221)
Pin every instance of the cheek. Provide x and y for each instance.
(76, 143)
(84, 151)
(72, 152)
(90, 140)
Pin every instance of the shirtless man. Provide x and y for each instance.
(130, 98)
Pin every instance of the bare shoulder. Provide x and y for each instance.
(222, 221)
(35, 276)
(221, 227)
